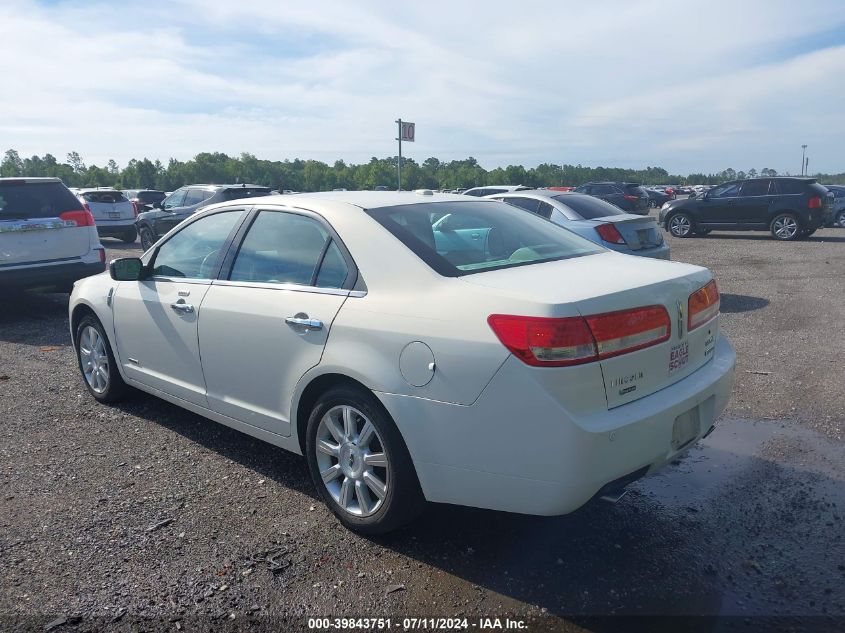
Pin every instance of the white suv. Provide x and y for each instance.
(112, 211)
(47, 237)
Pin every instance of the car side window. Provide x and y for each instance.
(529, 204)
(175, 199)
(603, 190)
(194, 196)
(755, 188)
(544, 209)
(193, 252)
(730, 190)
(282, 248)
(333, 270)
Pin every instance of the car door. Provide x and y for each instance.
(267, 322)
(719, 207)
(155, 319)
(171, 208)
(754, 202)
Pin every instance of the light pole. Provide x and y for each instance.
(803, 151)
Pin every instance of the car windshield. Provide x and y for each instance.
(20, 200)
(589, 208)
(460, 238)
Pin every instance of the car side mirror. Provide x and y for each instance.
(158, 205)
(126, 269)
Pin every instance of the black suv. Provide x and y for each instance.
(144, 199)
(186, 201)
(788, 207)
(628, 196)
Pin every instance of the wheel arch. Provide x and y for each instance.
(310, 392)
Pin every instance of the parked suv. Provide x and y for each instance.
(144, 199)
(628, 196)
(47, 237)
(490, 190)
(838, 192)
(788, 207)
(112, 211)
(186, 201)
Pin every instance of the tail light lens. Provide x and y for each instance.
(545, 342)
(609, 233)
(80, 218)
(629, 330)
(135, 207)
(703, 305)
(814, 203)
(631, 198)
(102, 253)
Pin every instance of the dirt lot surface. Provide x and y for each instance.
(143, 510)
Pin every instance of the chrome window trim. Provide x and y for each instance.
(184, 280)
(291, 287)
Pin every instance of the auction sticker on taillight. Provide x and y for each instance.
(678, 356)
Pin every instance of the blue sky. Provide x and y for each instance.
(690, 86)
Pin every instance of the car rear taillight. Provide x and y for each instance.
(609, 233)
(81, 218)
(102, 253)
(546, 342)
(629, 330)
(703, 305)
(814, 203)
(631, 198)
(135, 207)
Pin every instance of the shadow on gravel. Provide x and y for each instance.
(763, 237)
(32, 318)
(741, 303)
(269, 461)
(727, 530)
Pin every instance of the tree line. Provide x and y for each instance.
(313, 175)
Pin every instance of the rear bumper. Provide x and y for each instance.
(658, 252)
(53, 275)
(115, 228)
(518, 449)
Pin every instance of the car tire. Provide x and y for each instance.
(840, 219)
(147, 237)
(129, 237)
(360, 463)
(785, 227)
(96, 361)
(652, 204)
(680, 225)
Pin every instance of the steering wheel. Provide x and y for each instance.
(207, 266)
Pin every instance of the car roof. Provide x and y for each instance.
(235, 186)
(92, 189)
(32, 179)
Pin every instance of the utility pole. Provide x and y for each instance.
(399, 162)
(803, 160)
(807, 166)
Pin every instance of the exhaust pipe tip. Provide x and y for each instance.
(614, 495)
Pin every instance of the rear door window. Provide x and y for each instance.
(282, 248)
(245, 192)
(529, 204)
(22, 201)
(754, 188)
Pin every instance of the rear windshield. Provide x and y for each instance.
(150, 196)
(245, 192)
(460, 238)
(19, 200)
(635, 189)
(108, 197)
(589, 208)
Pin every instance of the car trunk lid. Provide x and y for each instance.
(638, 232)
(608, 282)
(108, 205)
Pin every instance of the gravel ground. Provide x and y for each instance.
(143, 510)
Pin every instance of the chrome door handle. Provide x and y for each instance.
(181, 306)
(305, 323)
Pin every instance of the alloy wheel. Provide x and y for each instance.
(94, 359)
(680, 225)
(352, 461)
(785, 227)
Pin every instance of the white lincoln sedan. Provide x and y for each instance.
(493, 360)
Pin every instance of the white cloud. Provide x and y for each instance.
(689, 87)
